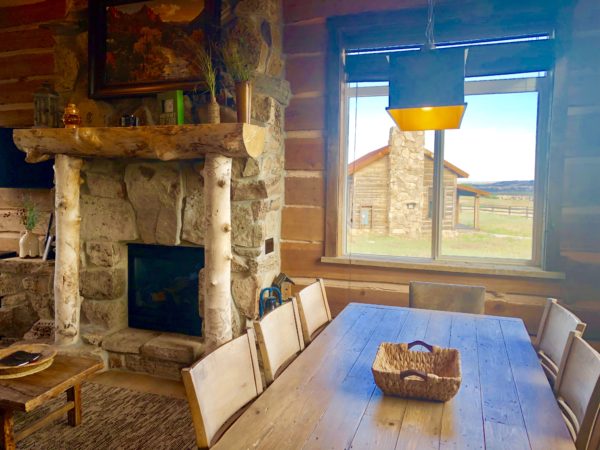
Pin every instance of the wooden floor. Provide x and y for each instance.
(141, 382)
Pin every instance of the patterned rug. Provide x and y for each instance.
(114, 418)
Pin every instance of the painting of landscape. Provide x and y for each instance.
(153, 41)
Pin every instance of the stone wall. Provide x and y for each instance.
(25, 295)
(406, 183)
(163, 203)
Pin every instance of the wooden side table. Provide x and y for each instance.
(27, 393)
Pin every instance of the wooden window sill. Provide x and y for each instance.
(504, 270)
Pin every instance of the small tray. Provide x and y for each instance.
(43, 362)
(432, 375)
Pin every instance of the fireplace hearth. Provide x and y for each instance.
(163, 288)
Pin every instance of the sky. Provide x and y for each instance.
(496, 141)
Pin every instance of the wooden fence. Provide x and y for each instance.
(507, 210)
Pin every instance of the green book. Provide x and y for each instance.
(171, 107)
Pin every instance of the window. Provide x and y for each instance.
(486, 176)
(476, 194)
(365, 217)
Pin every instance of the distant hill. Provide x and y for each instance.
(515, 187)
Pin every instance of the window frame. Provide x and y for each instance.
(476, 87)
(352, 32)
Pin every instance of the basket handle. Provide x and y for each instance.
(411, 372)
(424, 344)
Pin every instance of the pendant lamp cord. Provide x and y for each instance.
(430, 24)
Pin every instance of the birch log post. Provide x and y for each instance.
(217, 251)
(66, 272)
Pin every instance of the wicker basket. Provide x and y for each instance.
(432, 375)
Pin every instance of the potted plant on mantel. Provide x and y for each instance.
(210, 78)
(238, 67)
(29, 244)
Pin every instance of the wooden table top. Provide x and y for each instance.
(327, 399)
(29, 392)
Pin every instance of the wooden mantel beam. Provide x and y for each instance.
(163, 142)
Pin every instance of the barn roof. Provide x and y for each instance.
(376, 155)
(368, 159)
(466, 190)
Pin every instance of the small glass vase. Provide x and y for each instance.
(29, 245)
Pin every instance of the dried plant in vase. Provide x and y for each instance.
(237, 65)
(29, 244)
(209, 73)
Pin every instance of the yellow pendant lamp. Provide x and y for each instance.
(427, 87)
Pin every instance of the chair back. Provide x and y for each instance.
(556, 324)
(314, 309)
(279, 338)
(447, 297)
(577, 390)
(219, 386)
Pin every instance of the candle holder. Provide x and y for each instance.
(71, 117)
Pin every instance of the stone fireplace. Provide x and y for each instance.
(127, 204)
(162, 203)
(151, 192)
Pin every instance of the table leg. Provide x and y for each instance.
(8, 436)
(74, 395)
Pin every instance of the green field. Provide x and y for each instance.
(500, 236)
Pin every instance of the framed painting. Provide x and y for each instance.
(141, 47)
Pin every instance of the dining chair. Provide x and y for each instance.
(447, 297)
(314, 310)
(220, 386)
(279, 338)
(556, 324)
(577, 391)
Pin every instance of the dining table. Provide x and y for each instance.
(327, 397)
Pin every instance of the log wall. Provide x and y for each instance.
(26, 61)
(305, 42)
(26, 56)
(580, 211)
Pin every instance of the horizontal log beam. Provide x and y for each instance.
(11, 41)
(16, 14)
(13, 118)
(27, 65)
(166, 142)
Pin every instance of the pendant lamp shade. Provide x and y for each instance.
(427, 89)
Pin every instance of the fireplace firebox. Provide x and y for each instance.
(163, 288)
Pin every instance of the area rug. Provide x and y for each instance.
(114, 419)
